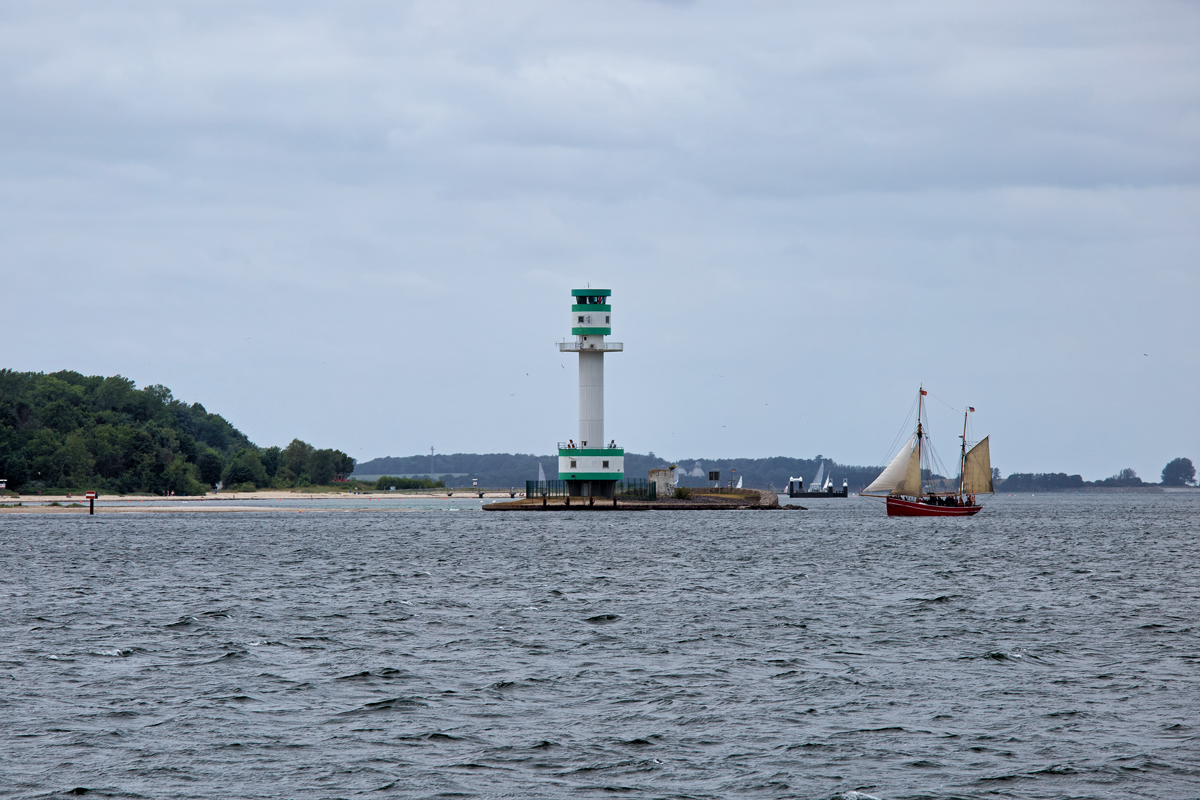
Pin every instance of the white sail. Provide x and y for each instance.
(816, 484)
(739, 482)
(828, 484)
(912, 476)
(903, 475)
(977, 470)
(541, 474)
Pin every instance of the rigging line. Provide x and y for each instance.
(929, 453)
(936, 460)
(943, 402)
(904, 428)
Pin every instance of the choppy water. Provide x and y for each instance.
(1048, 648)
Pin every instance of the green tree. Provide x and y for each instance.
(114, 394)
(295, 458)
(1042, 482)
(326, 465)
(61, 416)
(210, 466)
(245, 467)
(321, 467)
(107, 443)
(1126, 477)
(70, 430)
(180, 477)
(387, 482)
(77, 463)
(42, 447)
(1179, 472)
(270, 459)
(14, 461)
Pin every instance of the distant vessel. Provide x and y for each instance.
(796, 486)
(900, 482)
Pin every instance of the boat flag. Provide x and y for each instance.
(923, 392)
(972, 408)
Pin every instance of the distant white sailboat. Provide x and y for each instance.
(541, 474)
(822, 485)
(739, 482)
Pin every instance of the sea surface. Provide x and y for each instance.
(1047, 648)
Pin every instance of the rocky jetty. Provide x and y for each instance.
(699, 500)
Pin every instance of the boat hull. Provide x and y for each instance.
(897, 507)
(843, 492)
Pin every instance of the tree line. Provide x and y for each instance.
(1177, 472)
(502, 470)
(68, 431)
(499, 470)
(387, 483)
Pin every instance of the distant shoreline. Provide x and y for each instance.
(1152, 489)
(217, 503)
(225, 502)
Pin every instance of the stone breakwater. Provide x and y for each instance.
(725, 500)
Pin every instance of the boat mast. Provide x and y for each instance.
(920, 400)
(962, 458)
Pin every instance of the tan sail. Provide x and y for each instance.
(977, 470)
(898, 477)
(912, 477)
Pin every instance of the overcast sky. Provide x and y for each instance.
(358, 223)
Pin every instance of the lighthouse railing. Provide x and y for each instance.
(601, 347)
(636, 488)
(546, 489)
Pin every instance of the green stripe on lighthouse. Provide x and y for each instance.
(591, 476)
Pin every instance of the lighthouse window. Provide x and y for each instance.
(606, 465)
(581, 320)
(572, 463)
(607, 318)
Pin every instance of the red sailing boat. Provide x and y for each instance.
(902, 486)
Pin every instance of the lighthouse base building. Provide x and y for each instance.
(591, 465)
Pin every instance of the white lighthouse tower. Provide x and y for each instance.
(591, 465)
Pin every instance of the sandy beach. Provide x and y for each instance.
(233, 501)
